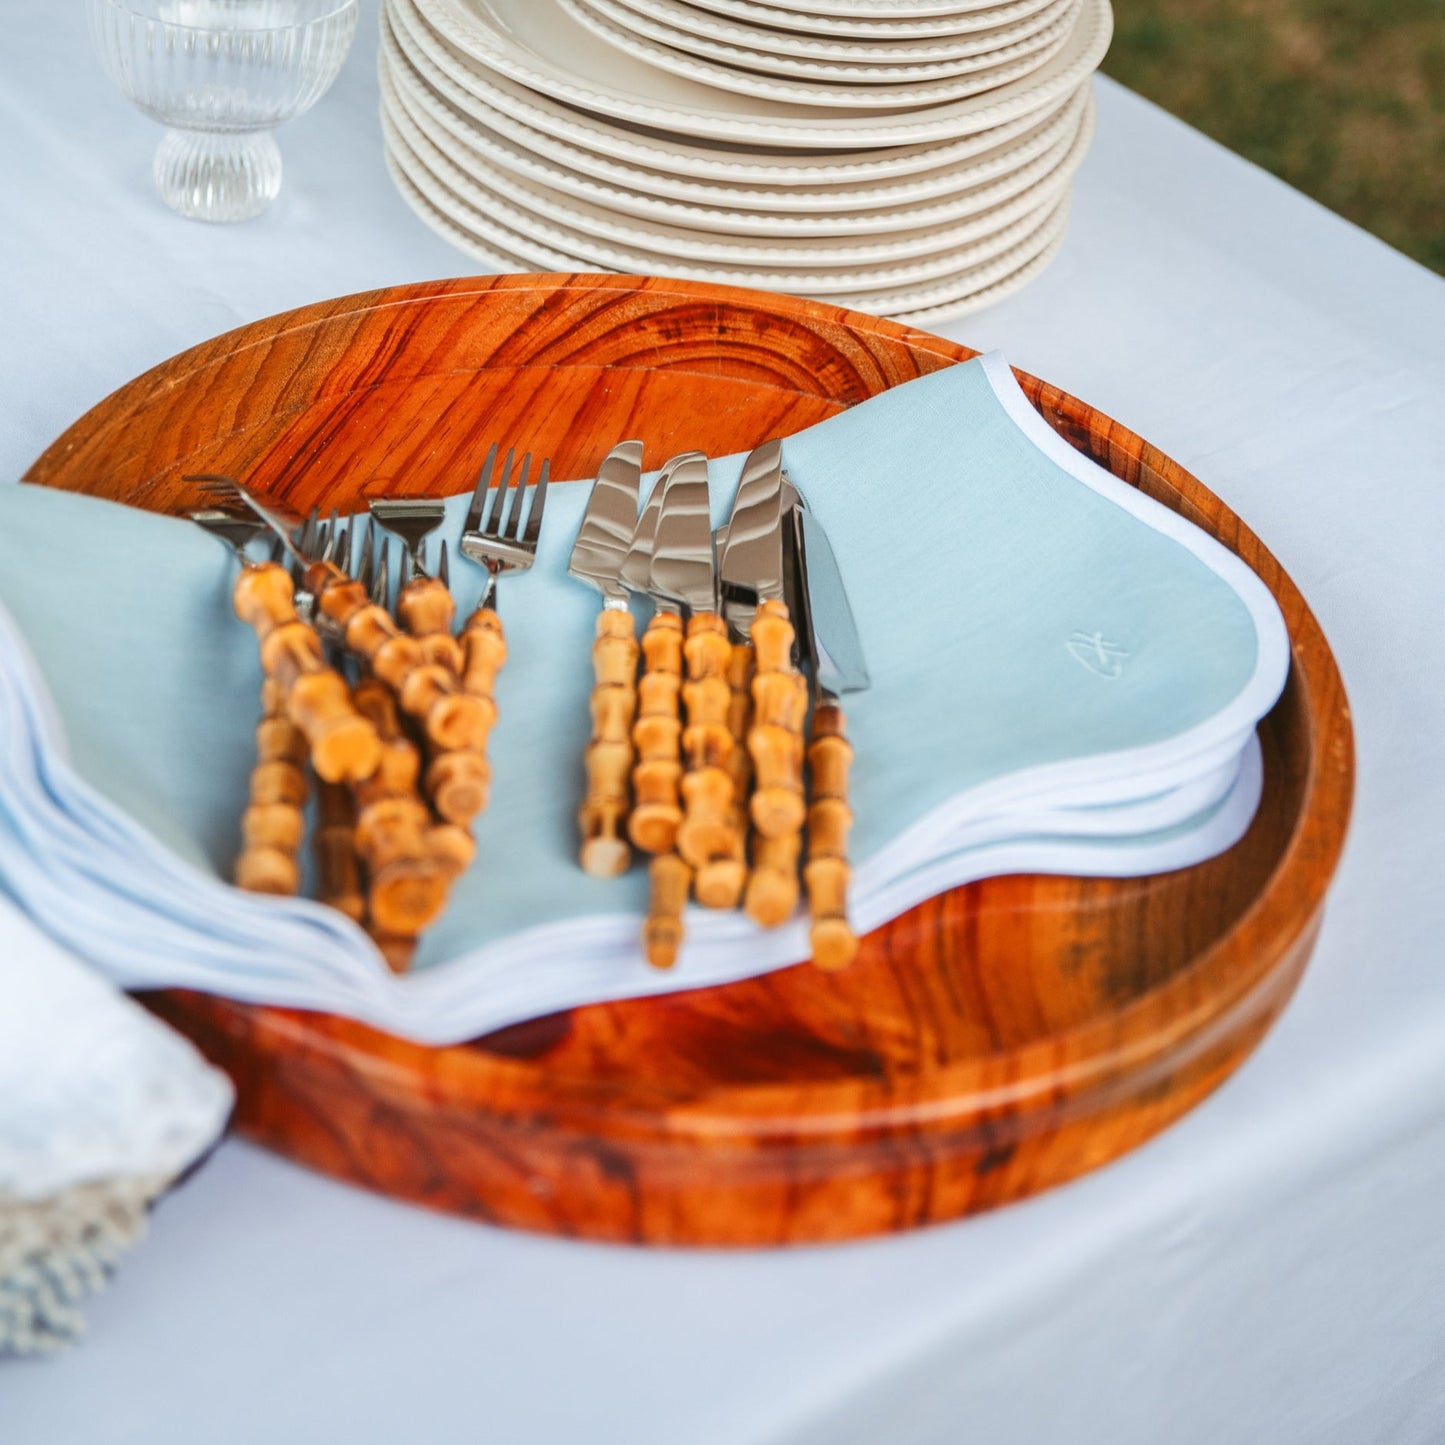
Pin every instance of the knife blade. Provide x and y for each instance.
(829, 648)
(682, 570)
(608, 523)
(750, 565)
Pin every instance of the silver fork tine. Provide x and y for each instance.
(443, 570)
(479, 496)
(494, 517)
(534, 517)
(214, 483)
(503, 531)
(513, 527)
(381, 593)
(367, 554)
(235, 491)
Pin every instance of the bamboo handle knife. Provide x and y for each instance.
(656, 735)
(827, 872)
(602, 818)
(707, 834)
(670, 879)
(775, 742)
(719, 883)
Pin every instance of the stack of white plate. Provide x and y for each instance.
(912, 158)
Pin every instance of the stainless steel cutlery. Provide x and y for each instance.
(832, 660)
(721, 765)
(395, 708)
(602, 544)
(704, 761)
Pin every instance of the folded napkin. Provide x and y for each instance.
(101, 1107)
(1049, 650)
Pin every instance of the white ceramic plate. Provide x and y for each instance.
(976, 300)
(863, 27)
(885, 49)
(773, 214)
(416, 77)
(928, 311)
(869, 99)
(858, 65)
(503, 223)
(574, 229)
(498, 191)
(490, 156)
(537, 45)
(883, 9)
(969, 291)
(591, 141)
(959, 286)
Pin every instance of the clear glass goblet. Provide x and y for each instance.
(221, 75)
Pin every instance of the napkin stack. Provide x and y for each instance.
(1066, 676)
(101, 1108)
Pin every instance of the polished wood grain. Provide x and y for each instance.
(989, 1043)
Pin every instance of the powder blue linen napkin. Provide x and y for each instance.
(1039, 636)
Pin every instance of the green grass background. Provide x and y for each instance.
(1344, 99)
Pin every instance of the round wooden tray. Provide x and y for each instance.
(987, 1044)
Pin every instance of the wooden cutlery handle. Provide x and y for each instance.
(427, 611)
(772, 893)
(705, 832)
(428, 692)
(459, 780)
(406, 888)
(656, 735)
(602, 817)
(662, 931)
(343, 745)
(274, 823)
(830, 755)
(719, 882)
(484, 653)
(775, 740)
(338, 875)
(451, 848)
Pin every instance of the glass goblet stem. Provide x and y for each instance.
(218, 175)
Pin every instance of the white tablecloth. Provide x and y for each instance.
(1271, 1269)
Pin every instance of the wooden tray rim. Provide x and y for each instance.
(1240, 962)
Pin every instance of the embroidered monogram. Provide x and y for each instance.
(1098, 654)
